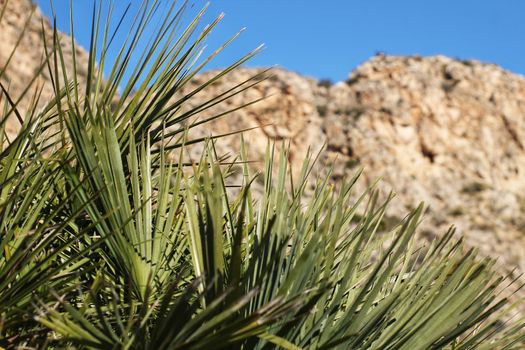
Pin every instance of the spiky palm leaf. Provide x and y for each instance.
(300, 275)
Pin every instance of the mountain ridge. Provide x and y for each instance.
(447, 132)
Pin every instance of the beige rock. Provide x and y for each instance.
(434, 129)
(447, 132)
(24, 22)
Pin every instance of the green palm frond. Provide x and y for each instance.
(38, 243)
(304, 275)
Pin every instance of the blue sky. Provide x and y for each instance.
(328, 38)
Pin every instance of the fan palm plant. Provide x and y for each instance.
(111, 241)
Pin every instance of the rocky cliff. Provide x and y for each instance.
(447, 132)
(23, 27)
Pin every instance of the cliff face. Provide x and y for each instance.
(23, 27)
(447, 132)
(438, 130)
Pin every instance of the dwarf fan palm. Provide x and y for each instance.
(110, 241)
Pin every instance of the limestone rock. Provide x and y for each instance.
(447, 132)
(23, 27)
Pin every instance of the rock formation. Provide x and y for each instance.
(447, 132)
(23, 27)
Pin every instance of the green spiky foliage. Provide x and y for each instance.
(110, 242)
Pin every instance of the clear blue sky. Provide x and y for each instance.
(328, 38)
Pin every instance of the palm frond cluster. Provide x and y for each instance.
(108, 242)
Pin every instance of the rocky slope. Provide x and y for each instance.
(447, 132)
(23, 27)
(434, 129)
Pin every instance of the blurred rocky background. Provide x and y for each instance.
(447, 132)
